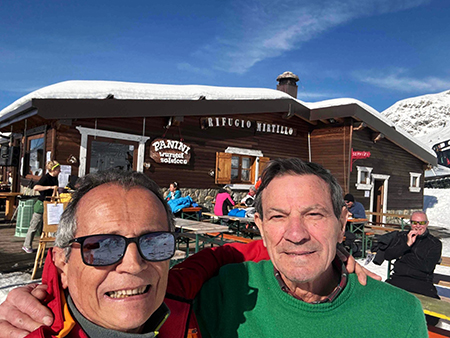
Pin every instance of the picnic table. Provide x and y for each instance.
(198, 231)
(236, 223)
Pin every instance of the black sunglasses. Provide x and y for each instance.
(108, 249)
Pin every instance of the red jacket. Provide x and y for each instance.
(185, 281)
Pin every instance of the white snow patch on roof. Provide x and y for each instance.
(147, 91)
(144, 91)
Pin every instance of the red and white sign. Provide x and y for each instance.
(359, 155)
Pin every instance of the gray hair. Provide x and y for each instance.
(68, 224)
(295, 166)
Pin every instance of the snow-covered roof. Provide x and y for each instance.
(188, 99)
(143, 91)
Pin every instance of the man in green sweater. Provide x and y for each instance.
(304, 290)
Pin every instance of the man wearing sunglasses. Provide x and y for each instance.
(416, 252)
(108, 272)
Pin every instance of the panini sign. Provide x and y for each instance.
(170, 151)
(257, 126)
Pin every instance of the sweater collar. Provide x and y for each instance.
(337, 264)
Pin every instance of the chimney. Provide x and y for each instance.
(287, 82)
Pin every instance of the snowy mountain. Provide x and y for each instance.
(425, 117)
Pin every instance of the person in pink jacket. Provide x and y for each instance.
(223, 203)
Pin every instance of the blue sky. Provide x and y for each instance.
(377, 51)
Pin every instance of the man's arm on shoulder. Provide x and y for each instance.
(22, 311)
(187, 278)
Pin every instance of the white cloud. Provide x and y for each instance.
(184, 66)
(266, 28)
(399, 80)
(308, 96)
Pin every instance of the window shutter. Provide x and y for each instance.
(223, 168)
(263, 161)
(262, 164)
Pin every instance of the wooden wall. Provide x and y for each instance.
(204, 144)
(330, 147)
(388, 159)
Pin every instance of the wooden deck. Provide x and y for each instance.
(12, 258)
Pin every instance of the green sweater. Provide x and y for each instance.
(245, 300)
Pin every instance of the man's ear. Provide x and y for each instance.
(59, 258)
(258, 222)
(342, 223)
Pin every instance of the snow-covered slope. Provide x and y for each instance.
(423, 115)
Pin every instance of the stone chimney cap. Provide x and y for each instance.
(287, 75)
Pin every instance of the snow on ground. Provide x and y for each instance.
(8, 281)
(436, 205)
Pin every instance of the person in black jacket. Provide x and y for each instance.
(45, 186)
(416, 252)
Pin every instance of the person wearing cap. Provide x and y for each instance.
(45, 186)
(355, 208)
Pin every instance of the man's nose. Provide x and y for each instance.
(132, 262)
(296, 230)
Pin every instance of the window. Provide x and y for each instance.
(414, 182)
(128, 150)
(239, 168)
(35, 159)
(363, 180)
(108, 155)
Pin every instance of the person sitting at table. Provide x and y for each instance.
(355, 208)
(46, 185)
(416, 253)
(249, 199)
(224, 202)
(174, 192)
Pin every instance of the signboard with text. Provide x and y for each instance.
(256, 126)
(359, 155)
(170, 151)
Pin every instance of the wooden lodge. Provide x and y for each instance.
(207, 137)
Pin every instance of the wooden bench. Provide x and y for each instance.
(434, 307)
(445, 261)
(232, 238)
(191, 213)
